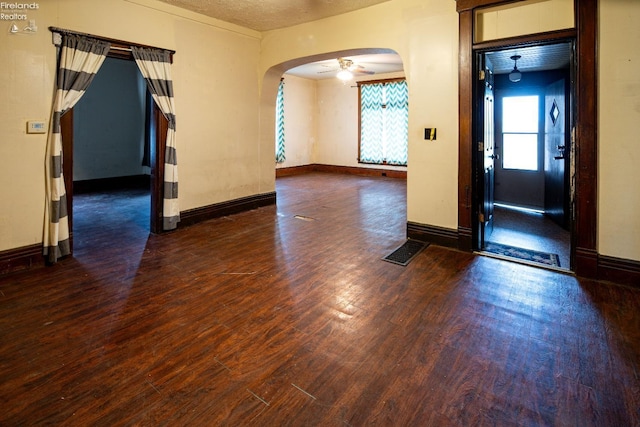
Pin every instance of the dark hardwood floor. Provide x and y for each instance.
(288, 316)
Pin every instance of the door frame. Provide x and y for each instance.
(157, 125)
(584, 255)
(534, 86)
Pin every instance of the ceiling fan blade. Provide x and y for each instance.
(363, 72)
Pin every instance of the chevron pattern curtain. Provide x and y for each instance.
(371, 129)
(155, 66)
(280, 157)
(384, 123)
(80, 59)
(396, 122)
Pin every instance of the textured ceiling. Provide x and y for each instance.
(534, 58)
(264, 15)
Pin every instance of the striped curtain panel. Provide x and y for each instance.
(80, 58)
(155, 66)
(396, 122)
(280, 157)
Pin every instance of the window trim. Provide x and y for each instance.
(534, 92)
(371, 82)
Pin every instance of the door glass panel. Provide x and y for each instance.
(520, 133)
(520, 114)
(520, 151)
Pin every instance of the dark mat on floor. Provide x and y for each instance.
(523, 254)
(405, 253)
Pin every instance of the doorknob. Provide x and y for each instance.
(494, 156)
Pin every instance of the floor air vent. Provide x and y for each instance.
(405, 253)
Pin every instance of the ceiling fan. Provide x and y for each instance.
(347, 69)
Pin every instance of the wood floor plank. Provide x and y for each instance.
(287, 315)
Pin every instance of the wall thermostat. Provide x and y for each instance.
(36, 126)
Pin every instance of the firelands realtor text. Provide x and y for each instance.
(15, 11)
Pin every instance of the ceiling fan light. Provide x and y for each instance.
(344, 75)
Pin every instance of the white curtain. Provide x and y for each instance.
(80, 59)
(155, 66)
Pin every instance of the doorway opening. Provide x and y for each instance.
(584, 126)
(524, 166)
(148, 186)
(317, 126)
(111, 156)
(317, 121)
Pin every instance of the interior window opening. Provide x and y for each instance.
(384, 113)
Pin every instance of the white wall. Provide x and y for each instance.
(217, 112)
(337, 123)
(618, 141)
(109, 123)
(517, 19)
(300, 123)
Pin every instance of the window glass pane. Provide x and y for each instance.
(384, 123)
(396, 123)
(520, 114)
(520, 151)
(371, 124)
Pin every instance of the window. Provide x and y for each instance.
(520, 133)
(384, 114)
(280, 158)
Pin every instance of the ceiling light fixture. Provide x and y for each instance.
(515, 75)
(344, 75)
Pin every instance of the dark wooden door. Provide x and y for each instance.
(66, 133)
(158, 126)
(556, 154)
(486, 151)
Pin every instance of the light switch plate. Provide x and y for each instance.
(36, 126)
(430, 134)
